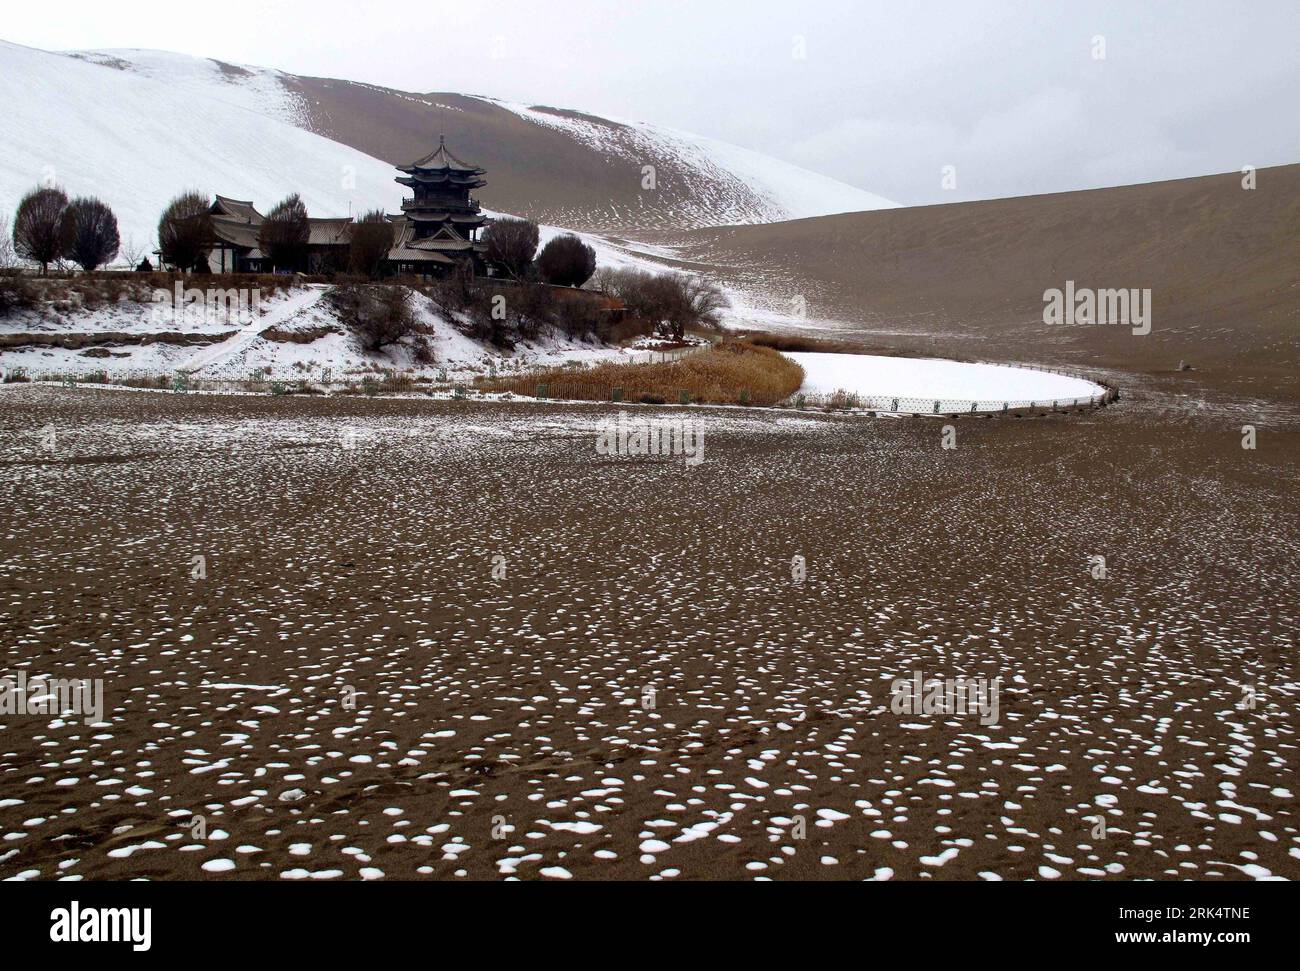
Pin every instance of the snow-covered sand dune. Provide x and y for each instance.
(926, 379)
(772, 191)
(136, 141)
(735, 184)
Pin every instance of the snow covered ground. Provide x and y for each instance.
(360, 534)
(291, 335)
(923, 379)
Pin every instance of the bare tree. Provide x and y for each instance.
(511, 244)
(7, 255)
(379, 315)
(185, 231)
(90, 237)
(372, 238)
(15, 292)
(38, 227)
(669, 302)
(285, 233)
(705, 301)
(566, 261)
(131, 252)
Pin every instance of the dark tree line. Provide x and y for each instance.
(566, 261)
(49, 227)
(372, 238)
(511, 245)
(90, 237)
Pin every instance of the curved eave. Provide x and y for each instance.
(457, 220)
(440, 169)
(423, 178)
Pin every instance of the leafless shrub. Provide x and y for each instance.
(185, 231)
(285, 234)
(703, 300)
(371, 239)
(38, 233)
(379, 315)
(566, 261)
(511, 244)
(89, 230)
(580, 316)
(667, 302)
(132, 253)
(16, 292)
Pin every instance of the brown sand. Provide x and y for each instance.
(1222, 263)
(499, 724)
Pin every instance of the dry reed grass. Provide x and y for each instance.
(734, 372)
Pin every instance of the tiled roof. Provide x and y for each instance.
(240, 209)
(441, 158)
(234, 231)
(330, 232)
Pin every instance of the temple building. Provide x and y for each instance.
(235, 249)
(437, 230)
(440, 223)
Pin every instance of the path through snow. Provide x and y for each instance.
(282, 311)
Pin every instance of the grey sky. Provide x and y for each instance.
(879, 94)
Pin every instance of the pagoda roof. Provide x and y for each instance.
(240, 232)
(442, 159)
(440, 244)
(423, 216)
(406, 241)
(407, 249)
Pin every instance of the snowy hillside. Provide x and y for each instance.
(720, 183)
(256, 89)
(136, 142)
(737, 185)
(291, 334)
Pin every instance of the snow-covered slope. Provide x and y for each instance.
(292, 334)
(136, 142)
(559, 165)
(737, 185)
(137, 133)
(256, 89)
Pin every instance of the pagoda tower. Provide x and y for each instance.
(441, 207)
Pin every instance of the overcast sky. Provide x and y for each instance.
(1018, 97)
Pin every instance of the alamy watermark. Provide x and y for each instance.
(127, 925)
(667, 437)
(919, 695)
(52, 696)
(191, 306)
(1082, 306)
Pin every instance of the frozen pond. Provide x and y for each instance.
(929, 378)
